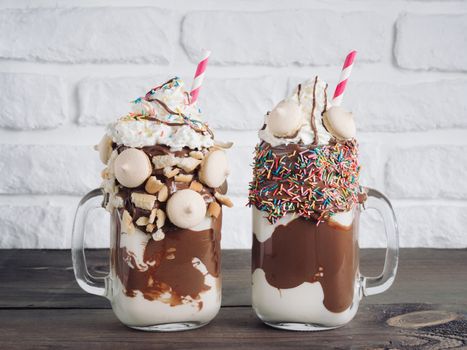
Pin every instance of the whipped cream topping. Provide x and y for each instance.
(174, 95)
(140, 133)
(164, 116)
(311, 97)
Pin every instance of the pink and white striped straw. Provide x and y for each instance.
(345, 74)
(199, 76)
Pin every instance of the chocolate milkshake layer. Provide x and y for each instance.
(299, 252)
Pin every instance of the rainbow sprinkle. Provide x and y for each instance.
(312, 182)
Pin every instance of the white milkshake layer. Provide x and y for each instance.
(263, 229)
(140, 312)
(302, 304)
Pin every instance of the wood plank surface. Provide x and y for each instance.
(44, 278)
(42, 307)
(233, 328)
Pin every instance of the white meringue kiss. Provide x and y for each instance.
(285, 119)
(214, 169)
(132, 167)
(186, 208)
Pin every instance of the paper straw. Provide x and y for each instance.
(199, 76)
(345, 74)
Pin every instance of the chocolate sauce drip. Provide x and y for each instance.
(313, 121)
(299, 90)
(302, 251)
(171, 265)
(161, 150)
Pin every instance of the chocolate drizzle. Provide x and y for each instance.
(172, 275)
(313, 121)
(302, 251)
(158, 121)
(299, 91)
(148, 97)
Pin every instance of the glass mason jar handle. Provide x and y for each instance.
(375, 285)
(91, 284)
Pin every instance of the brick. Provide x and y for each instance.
(372, 160)
(240, 104)
(31, 101)
(431, 42)
(103, 100)
(33, 226)
(427, 172)
(440, 226)
(77, 35)
(409, 107)
(49, 169)
(280, 38)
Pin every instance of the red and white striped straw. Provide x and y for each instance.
(199, 76)
(345, 74)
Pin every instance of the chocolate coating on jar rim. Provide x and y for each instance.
(170, 264)
(302, 251)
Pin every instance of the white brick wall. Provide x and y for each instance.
(32, 101)
(281, 38)
(68, 68)
(127, 35)
(432, 42)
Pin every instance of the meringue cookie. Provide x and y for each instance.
(186, 208)
(132, 167)
(104, 148)
(285, 119)
(339, 123)
(214, 169)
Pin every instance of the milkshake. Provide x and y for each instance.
(165, 185)
(305, 196)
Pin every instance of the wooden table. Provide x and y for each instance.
(41, 306)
